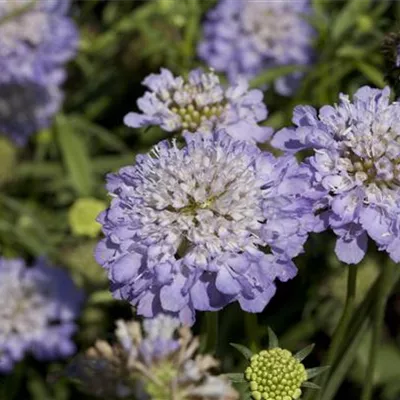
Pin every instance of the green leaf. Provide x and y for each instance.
(274, 73)
(387, 362)
(273, 341)
(313, 372)
(235, 377)
(243, 350)
(101, 296)
(345, 20)
(302, 354)
(372, 73)
(310, 385)
(11, 384)
(351, 51)
(75, 156)
(109, 139)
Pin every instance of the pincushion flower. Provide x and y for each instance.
(156, 360)
(38, 308)
(201, 103)
(246, 37)
(276, 373)
(198, 227)
(355, 167)
(32, 63)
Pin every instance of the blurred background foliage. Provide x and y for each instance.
(51, 189)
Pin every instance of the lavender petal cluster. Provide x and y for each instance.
(38, 306)
(355, 168)
(200, 226)
(36, 40)
(246, 37)
(201, 103)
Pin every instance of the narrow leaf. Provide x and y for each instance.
(372, 73)
(75, 156)
(302, 354)
(311, 385)
(101, 134)
(101, 296)
(272, 339)
(345, 20)
(235, 377)
(242, 349)
(274, 73)
(312, 372)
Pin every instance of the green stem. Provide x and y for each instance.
(384, 289)
(345, 319)
(251, 329)
(340, 332)
(211, 332)
(344, 363)
(355, 332)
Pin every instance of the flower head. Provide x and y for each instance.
(38, 307)
(355, 167)
(31, 61)
(156, 360)
(245, 37)
(274, 373)
(201, 103)
(277, 374)
(202, 226)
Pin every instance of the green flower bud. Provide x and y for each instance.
(82, 216)
(275, 374)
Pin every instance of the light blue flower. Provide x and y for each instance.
(246, 37)
(355, 168)
(36, 39)
(198, 227)
(38, 306)
(201, 103)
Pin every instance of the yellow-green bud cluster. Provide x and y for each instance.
(275, 375)
(193, 116)
(159, 388)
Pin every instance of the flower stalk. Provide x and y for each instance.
(384, 289)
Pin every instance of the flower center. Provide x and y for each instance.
(275, 374)
(192, 116)
(374, 159)
(203, 203)
(160, 388)
(199, 101)
(268, 24)
(13, 15)
(21, 309)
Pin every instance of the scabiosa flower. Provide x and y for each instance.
(201, 103)
(156, 360)
(245, 37)
(198, 227)
(276, 373)
(356, 168)
(31, 61)
(38, 306)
